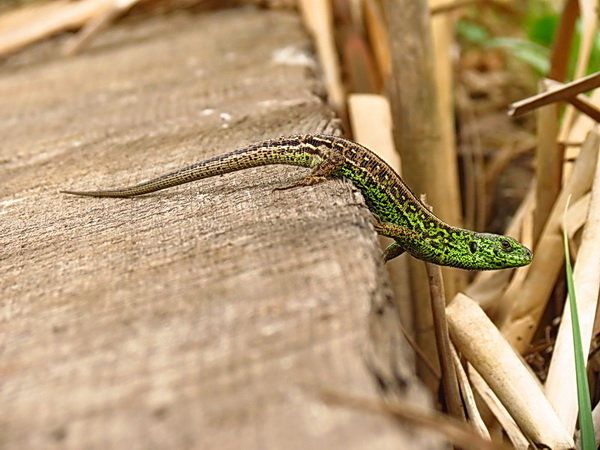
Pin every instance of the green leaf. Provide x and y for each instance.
(586, 426)
(541, 29)
(537, 56)
(471, 32)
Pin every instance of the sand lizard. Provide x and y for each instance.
(398, 213)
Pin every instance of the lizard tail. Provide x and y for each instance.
(294, 151)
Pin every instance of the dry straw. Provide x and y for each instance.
(491, 355)
(561, 385)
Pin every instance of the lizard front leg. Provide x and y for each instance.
(393, 230)
(392, 251)
(396, 232)
(332, 161)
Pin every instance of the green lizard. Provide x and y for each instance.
(398, 213)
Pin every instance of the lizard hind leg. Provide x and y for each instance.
(326, 169)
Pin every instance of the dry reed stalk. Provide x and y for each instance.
(359, 67)
(577, 134)
(561, 49)
(527, 305)
(586, 107)
(442, 33)
(514, 433)
(357, 15)
(414, 103)
(360, 71)
(576, 219)
(584, 123)
(468, 397)
(442, 339)
(458, 433)
(95, 25)
(426, 166)
(318, 19)
(378, 37)
(589, 23)
(491, 355)
(23, 27)
(577, 215)
(371, 120)
(474, 174)
(548, 167)
(563, 93)
(580, 101)
(561, 383)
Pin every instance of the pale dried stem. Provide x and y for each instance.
(561, 383)
(318, 18)
(468, 397)
(528, 304)
(580, 101)
(514, 433)
(563, 93)
(442, 32)
(589, 22)
(371, 121)
(458, 433)
(378, 36)
(34, 23)
(578, 213)
(442, 338)
(548, 167)
(563, 40)
(480, 342)
(95, 25)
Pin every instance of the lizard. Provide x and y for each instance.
(397, 211)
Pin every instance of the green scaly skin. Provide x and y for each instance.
(399, 213)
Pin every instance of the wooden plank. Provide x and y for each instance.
(201, 317)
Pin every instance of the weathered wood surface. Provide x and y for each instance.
(200, 317)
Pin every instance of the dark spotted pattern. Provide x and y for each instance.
(385, 193)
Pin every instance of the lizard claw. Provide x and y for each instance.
(288, 187)
(308, 181)
(377, 224)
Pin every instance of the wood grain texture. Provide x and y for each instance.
(205, 316)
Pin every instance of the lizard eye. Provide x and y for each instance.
(473, 246)
(505, 245)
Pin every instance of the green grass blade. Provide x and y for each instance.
(586, 426)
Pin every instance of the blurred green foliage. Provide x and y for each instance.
(532, 40)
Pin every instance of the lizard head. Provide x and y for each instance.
(486, 251)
